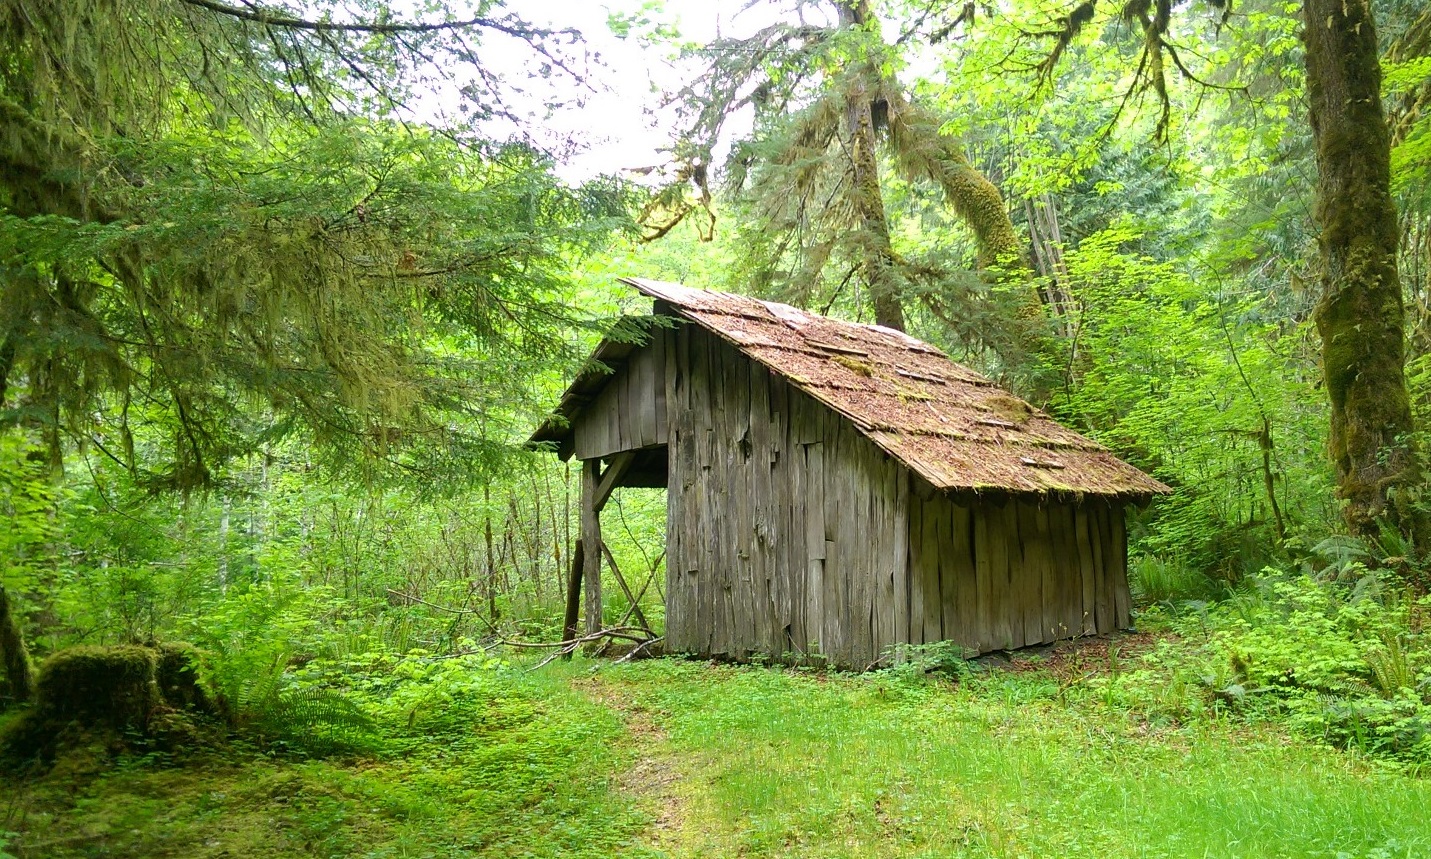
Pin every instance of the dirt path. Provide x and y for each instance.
(654, 776)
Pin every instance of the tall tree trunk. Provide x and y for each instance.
(19, 677)
(1360, 315)
(878, 252)
(876, 248)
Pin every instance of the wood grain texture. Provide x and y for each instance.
(932, 535)
(1086, 576)
(1102, 606)
(1118, 545)
(591, 541)
(918, 564)
(957, 580)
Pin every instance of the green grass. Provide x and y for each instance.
(520, 770)
(779, 763)
(739, 762)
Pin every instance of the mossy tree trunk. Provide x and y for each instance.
(19, 677)
(1360, 315)
(868, 199)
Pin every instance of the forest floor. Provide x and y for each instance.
(687, 759)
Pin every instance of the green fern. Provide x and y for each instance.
(315, 722)
(1390, 666)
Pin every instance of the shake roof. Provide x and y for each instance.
(947, 423)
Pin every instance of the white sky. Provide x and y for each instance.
(620, 121)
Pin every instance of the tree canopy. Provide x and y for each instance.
(222, 224)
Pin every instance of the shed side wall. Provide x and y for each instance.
(1008, 573)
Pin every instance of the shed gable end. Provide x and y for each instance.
(629, 412)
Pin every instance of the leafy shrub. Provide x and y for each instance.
(1346, 662)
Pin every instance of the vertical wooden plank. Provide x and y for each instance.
(1086, 605)
(815, 511)
(1052, 610)
(1102, 605)
(765, 531)
(887, 556)
(948, 575)
(837, 597)
(631, 393)
(838, 504)
(1070, 587)
(880, 492)
(789, 479)
(682, 480)
(815, 548)
(675, 507)
(646, 394)
(1003, 537)
(665, 364)
(936, 510)
(621, 386)
(712, 578)
(1030, 574)
(609, 402)
(1008, 632)
(861, 512)
(746, 505)
(917, 562)
(676, 621)
(1122, 602)
(833, 607)
(984, 575)
(591, 541)
(699, 346)
(1110, 564)
(815, 607)
(735, 496)
(673, 495)
(635, 401)
(899, 528)
(960, 593)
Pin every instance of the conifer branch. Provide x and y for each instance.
(270, 18)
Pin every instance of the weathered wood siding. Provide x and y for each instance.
(630, 412)
(785, 526)
(996, 573)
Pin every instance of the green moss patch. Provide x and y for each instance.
(126, 696)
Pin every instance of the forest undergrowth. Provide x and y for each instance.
(1287, 720)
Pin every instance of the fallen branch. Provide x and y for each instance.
(566, 648)
(626, 632)
(638, 650)
(447, 608)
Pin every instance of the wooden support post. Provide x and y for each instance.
(591, 537)
(609, 478)
(573, 594)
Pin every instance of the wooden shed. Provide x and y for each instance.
(835, 489)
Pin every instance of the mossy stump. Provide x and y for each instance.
(127, 695)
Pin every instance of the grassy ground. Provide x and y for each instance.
(686, 759)
(783, 764)
(523, 771)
